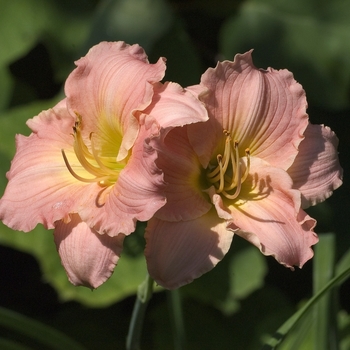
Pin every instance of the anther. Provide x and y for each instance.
(225, 178)
(104, 169)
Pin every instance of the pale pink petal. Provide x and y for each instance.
(267, 215)
(182, 176)
(40, 188)
(178, 252)
(264, 110)
(174, 106)
(137, 195)
(88, 257)
(222, 211)
(316, 171)
(110, 84)
(197, 90)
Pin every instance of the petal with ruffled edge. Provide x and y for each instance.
(178, 252)
(137, 195)
(174, 106)
(267, 214)
(172, 109)
(316, 171)
(264, 110)
(40, 188)
(111, 83)
(88, 257)
(140, 190)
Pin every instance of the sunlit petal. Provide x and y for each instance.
(316, 171)
(264, 110)
(110, 84)
(88, 257)
(268, 215)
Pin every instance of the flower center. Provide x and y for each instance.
(105, 169)
(227, 175)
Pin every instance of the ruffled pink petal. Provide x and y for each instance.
(172, 109)
(137, 195)
(264, 111)
(40, 188)
(88, 257)
(182, 176)
(267, 214)
(178, 252)
(316, 171)
(111, 83)
(174, 106)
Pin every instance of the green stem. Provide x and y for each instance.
(292, 321)
(144, 294)
(175, 305)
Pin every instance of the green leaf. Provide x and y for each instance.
(6, 84)
(306, 308)
(308, 37)
(324, 325)
(344, 330)
(343, 263)
(128, 274)
(239, 274)
(66, 34)
(248, 269)
(183, 63)
(133, 21)
(301, 336)
(63, 26)
(21, 23)
(41, 333)
(316, 328)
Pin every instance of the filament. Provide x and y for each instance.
(227, 175)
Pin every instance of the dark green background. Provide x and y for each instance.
(247, 296)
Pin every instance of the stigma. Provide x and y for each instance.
(226, 175)
(103, 170)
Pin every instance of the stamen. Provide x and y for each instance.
(215, 171)
(222, 181)
(227, 152)
(245, 175)
(104, 169)
(235, 167)
(225, 178)
(96, 156)
(238, 188)
(82, 179)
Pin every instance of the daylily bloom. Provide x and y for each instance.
(250, 171)
(87, 170)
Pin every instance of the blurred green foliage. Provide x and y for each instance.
(247, 296)
(311, 38)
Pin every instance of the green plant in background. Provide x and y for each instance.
(236, 302)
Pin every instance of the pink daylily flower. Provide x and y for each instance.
(250, 170)
(87, 169)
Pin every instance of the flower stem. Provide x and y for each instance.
(144, 294)
(175, 306)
